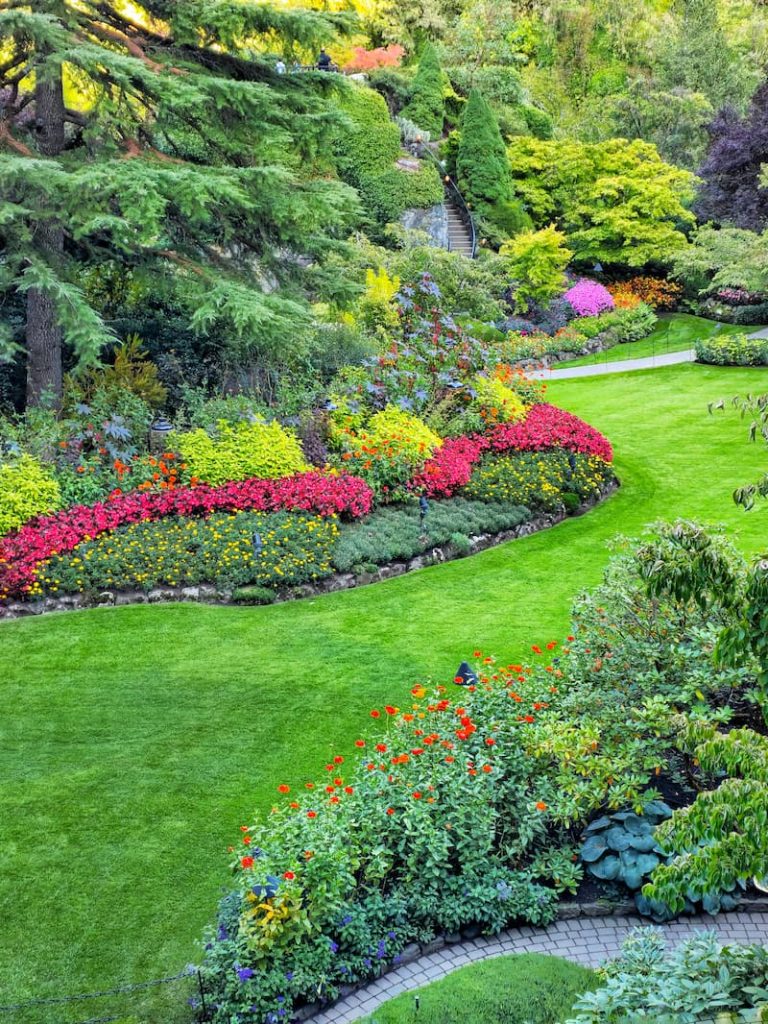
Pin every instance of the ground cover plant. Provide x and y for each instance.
(530, 987)
(736, 349)
(144, 674)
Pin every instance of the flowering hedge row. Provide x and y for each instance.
(545, 428)
(40, 539)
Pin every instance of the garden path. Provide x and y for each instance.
(621, 366)
(586, 940)
(626, 365)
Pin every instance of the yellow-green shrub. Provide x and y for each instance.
(496, 402)
(238, 451)
(401, 430)
(26, 490)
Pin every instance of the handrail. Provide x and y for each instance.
(451, 186)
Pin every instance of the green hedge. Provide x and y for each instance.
(295, 548)
(742, 316)
(393, 533)
(732, 350)
(366, 156)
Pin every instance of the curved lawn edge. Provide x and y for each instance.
(208, 594)
(588, 941)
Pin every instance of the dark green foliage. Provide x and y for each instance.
(481, 162)
(396, 533)
(253, 595)
(394, 85)
(158, 170)
(366, 155)
(427, 106)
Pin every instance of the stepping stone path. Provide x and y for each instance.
(585, 940)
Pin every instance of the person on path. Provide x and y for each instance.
(323, 61)
(280, 67)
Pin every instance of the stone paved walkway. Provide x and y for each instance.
(586, 940)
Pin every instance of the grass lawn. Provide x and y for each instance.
(134, 741)
(532, 988)
(675, 332)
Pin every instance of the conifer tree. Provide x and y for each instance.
(482, 166)
(149, 136)
(426, 107)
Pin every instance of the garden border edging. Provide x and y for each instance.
(207, 594)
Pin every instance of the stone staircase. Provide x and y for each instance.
(459, 235)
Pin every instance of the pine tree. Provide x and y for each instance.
(151, 136)
(482, 165)
(426, 107)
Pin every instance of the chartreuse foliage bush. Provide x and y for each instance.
(388, 450)
(537, 262)
(732, 350)
(223, 549)
(236, 451)
(531, 987)
(698, 980)
(26, 490)
(496, 402)
(391, 533)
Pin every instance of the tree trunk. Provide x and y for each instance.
(44, 336)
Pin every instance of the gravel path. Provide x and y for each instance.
(586, 940)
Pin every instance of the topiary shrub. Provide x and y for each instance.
(732, 350)
(482, 166)
(26, 490)
(427, 105)
(239, 451)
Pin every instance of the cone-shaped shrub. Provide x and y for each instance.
(481, 163)
(427, 106)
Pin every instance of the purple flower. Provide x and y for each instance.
(289, 975)
(334, 946)
(244, 973)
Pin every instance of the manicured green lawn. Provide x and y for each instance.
(530, 988)
(675, 332)
(134, 741)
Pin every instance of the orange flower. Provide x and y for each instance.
(541, 806)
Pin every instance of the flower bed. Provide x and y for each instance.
(546, 427)
(47, 536)
(222, 549)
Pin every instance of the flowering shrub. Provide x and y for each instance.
(589, 298)
(654, 291)
(424, 833)
(389, 449)
(738, 296)
(519, 346)
(239, 451)
(26, 490)
(545, 427)
(623, 297)
(292, 548)
(323, 494)
(538, 480)
(370, 60)
(497, 403)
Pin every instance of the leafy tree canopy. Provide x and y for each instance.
(159, 135)
(618, 202)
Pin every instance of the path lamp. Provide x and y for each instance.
(258, 544)
(465, 676)
(158, 434)
(423, 509)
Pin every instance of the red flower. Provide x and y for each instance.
(283, 788)
(294, 805)
(243, 828)
(489, 741)
(449, 760)
(338, 759)
(246, 840)
(570, 639)
(289, 876)
(309, 785)
(416, 795)
(247, 862)
(329, 789)
(390, 810)
(390, 710)
(334, 800)
(311, 814)
(359, 743)
(541, 806)
(536, 649)
(375, 714)
(487, 768)
(381, 747)
(348, 789)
